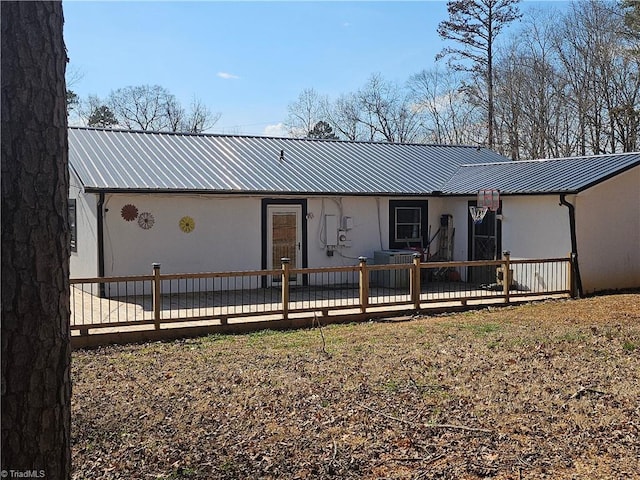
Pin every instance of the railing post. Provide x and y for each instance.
(285, 287)
(157, 294)
(570, 270)
(364, 284)
(415, 281)
(506, 280)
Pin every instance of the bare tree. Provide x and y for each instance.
(144, 107)
(198, 118)
(36, 355)
(387, 111)
(447, 117)
(152, 107)
(72, 77)
(475, 24)
(568, 85)
(602, 77)
(631, 29)
(305, 112)
(344, 114)
(530, 94)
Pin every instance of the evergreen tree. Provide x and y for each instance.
(103, 117)
(475, 24)
(72, 100)
(322, 130)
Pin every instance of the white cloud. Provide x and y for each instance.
(227, 76)
(277, 130)
(346, 25)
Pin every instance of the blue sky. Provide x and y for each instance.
(248, 60)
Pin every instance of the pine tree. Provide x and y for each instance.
(475, 24)
(322, 130)
(103, 117)
(36, 354)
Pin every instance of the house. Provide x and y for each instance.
(586, 205)
(198, 203)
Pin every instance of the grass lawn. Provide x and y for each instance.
(546, 390)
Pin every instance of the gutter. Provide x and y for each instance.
(574, 243)
(100, 228)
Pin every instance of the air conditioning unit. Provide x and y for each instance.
(391, 278)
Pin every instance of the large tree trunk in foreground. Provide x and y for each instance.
(36, 388)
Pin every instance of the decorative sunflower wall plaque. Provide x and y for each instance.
(187, 224)
(146, 220)
(129, 212)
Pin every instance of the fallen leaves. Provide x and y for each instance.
(547, 389)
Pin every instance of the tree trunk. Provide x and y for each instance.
(36, 388)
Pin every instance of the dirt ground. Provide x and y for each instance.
(546, 390)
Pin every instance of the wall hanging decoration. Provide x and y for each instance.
(129, 212)
(146, 220)
(187, 224)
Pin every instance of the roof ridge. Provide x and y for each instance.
(271, 137)
(558, 159)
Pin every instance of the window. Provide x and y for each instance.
(408, 222)
(72, 225)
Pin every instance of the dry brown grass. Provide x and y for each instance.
(547, 390)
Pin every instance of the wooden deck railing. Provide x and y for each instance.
(123, 307)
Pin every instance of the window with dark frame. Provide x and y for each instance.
(408, 224)
(73, 225)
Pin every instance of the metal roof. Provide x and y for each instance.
(118, 160)
(561, 175)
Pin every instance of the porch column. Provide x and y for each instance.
(506, 277)
(364, 284)
(157, 294)
(415, 281)
(285, 287)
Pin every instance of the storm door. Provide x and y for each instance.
(485, 241)
(284, 237)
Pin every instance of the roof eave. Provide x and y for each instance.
(269, 193)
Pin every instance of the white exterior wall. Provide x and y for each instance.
(84, 261)
(532, 226)
(370, 218)
(535, 226)
(226, 235)
(608, 233)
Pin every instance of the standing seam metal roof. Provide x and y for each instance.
(560, 175)
(114, 160)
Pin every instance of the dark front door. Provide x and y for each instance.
(485, 240)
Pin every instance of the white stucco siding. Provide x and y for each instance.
(535, 226)
(369, 232)
(228, 232)
(532, 226)
(226, 235)
(608, 233)
(84, 261)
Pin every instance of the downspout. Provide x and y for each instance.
(574, 242)
(100, 228)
